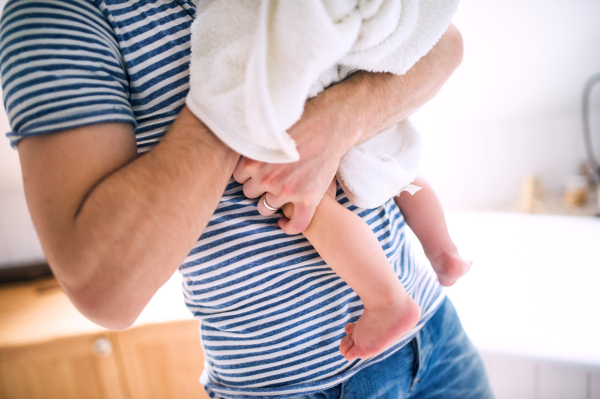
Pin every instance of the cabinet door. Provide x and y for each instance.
(162, 360)
(76, 367)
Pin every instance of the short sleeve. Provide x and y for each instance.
(61, 67)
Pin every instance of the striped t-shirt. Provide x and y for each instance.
(271, 312)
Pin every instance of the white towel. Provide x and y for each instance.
(380, 168)
(255, 63)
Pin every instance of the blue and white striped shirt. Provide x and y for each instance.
(272, 312)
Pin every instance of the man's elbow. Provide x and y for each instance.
(101, 299)
(100, 308)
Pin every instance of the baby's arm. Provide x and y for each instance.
(424, 215)
(350, 248)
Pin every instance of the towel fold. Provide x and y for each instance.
(389, 160)
(255, 63)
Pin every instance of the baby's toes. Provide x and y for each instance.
(346, 344)
(349, 328)
(345, 341)
(353, 353)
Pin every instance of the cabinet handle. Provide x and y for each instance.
(102, 347)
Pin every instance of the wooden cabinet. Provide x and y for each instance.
(162, 360)
(65, 368)
(48, 350)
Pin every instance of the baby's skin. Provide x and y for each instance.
(424, 215)
(349, 247)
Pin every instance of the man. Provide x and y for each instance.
(90, 85)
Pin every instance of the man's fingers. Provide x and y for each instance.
(300, 220)
(243, 169)
(252, 190)
(263, 208)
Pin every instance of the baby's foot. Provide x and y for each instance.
(379, 327)
(449, 267)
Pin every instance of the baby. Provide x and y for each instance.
(349, 247)
(254, 64)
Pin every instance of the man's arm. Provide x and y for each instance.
(340, 117)
(388, 99)
(114, 226)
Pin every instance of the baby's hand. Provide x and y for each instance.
(449, 267)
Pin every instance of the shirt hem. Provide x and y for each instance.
(217, 391)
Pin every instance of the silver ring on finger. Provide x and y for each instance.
(269, 207)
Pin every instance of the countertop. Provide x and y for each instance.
(40, 311)
(534, 287)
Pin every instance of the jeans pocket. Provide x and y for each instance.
(416, 371)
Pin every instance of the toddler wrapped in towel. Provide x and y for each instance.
(254, 64)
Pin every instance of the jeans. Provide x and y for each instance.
(440, 362)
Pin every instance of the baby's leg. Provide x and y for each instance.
(350, 248)
(423, 213)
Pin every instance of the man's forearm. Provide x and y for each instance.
(374, 102)
(337, 119)
(164, 201)
(134, 228)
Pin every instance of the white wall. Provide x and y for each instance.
(10, 170)
(514, 106)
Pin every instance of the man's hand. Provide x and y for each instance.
(322, 136)
(338, 118)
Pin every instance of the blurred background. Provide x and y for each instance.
(513, 108)
(504, 149)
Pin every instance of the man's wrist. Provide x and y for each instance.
(368, 103)
(345, 117)
(191, 133)
(362, 104)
